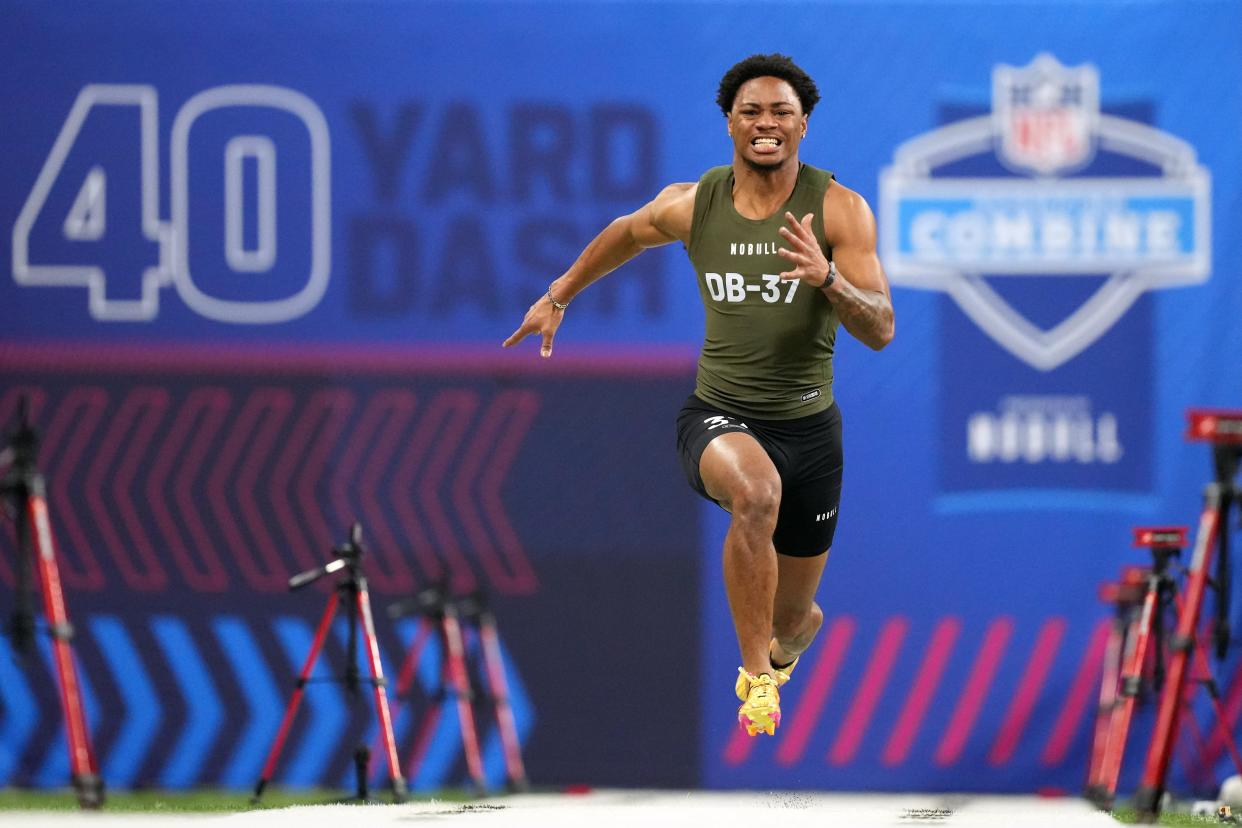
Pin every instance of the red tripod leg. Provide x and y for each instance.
(82, 766)
(499, 684)
(1131, 683)
(381, 694)
(460, 680)
(278, 744)
(1147, 798)
(405, 680)
(1096, 789)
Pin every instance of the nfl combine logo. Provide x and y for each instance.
(1045, 218)
(945, 231)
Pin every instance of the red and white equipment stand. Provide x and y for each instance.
(474, 608)
(25, 488)
(1132, 654)
(451, 620)
(352, 594)
(1223, 430)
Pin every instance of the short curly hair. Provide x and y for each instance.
(774, 65)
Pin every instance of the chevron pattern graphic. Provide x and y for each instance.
(185, 488)
(216, 487)
(190, 496)
(178, 721)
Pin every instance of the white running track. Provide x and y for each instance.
(634, 809)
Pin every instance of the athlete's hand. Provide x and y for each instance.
(804, 252)
(542, 318)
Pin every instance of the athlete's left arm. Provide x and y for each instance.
(860, 292)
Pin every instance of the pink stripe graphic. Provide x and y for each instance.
(360, 431)
(874, 680)
(799, 726)
(294, 449)
(159, 496)
(525, 408)
(491, 450)
(455, 410)
(977, 686)
(270, 407)
(194, 428)
(1084, 688)
(362, 463)
(344, 482)
(154, 403)
(1231, 707)
(79, 568)
(921, 692)
(578, 359)
(1029, 687)
(101, 479)
(403, 496)
(336, 405)
(399, 406)
(222, 486)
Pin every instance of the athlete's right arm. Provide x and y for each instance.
(665, 219)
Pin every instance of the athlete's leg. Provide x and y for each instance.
(796, 617)
(739, 475)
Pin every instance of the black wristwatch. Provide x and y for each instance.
(832, 275)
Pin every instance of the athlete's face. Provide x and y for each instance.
(766, 122)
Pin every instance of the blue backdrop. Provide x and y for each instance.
(261, 256)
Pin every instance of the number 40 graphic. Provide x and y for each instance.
(87, 218)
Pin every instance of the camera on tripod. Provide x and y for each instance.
(352, 594)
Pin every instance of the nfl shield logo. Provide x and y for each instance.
(1045, 115)
(1089, 211)
(948, 222)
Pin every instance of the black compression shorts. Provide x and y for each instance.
(807, 455)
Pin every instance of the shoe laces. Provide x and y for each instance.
(763, 683)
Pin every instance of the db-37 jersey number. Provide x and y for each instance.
(734, 287)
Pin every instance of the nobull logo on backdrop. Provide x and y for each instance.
(1047, 218)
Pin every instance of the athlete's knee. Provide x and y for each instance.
(796, 625)
(757, 500)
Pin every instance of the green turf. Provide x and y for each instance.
(1129, 816)
(191, 801)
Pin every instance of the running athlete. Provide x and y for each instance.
(784, 254)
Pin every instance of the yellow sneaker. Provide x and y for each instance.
(761, 702)
(781, 673)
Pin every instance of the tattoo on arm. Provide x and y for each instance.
(866, 314)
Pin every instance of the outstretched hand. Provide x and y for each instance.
(804, 252)
(542, 318)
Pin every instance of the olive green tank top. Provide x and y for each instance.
(768, 347)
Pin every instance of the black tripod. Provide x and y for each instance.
(352, 594)
(24, 487)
